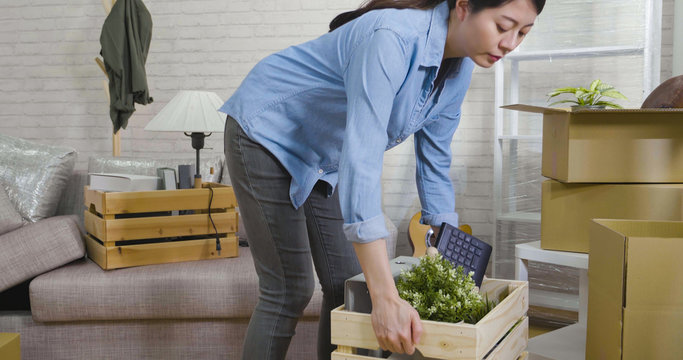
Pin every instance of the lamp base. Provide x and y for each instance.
(198, 144)
(198, 181)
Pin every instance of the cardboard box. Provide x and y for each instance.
(635, 291)
(10, 347)
(611, 145)
(567, 209)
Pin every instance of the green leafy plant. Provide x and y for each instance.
(440, 292)
(589, 97)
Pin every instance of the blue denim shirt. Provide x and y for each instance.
(330, 107)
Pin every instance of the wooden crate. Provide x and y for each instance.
(501, 334)
(10, 346)
(126, 228)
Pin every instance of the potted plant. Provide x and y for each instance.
(591, 97)
(440, 292)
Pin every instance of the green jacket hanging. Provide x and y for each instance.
(125, 38)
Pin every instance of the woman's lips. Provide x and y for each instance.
(494, 58)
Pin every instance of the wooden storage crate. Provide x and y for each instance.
(501, 334)
(135, 228)
(10, 346)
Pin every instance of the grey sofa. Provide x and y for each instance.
(188, 310)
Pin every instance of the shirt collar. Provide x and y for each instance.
(436, 37)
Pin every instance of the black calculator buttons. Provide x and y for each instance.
(465, 250)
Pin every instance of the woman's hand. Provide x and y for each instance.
(436, 230)
(396, 323)
(435, 233)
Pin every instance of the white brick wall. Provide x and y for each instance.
(51, 90)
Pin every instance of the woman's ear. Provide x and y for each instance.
(462, 9)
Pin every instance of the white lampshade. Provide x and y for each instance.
(190, 111)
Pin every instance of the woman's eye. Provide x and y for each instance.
(500, 28)
(522, 34)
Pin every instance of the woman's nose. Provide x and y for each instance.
(509, 43)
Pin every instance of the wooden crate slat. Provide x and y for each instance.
(96, 252)
(438, 339)
(134, 255)
(352, 329)
(158, 200)
(446, 340)
(92, 198)
(511, 348)
(455, 341)
(94, 224)
(496, 323)
(167, 226)
(337, 355)
(159, 226)
(514, 343)
(495, 287)
(158, 253)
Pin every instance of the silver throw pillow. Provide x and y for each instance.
(34, 175)
(9, 217)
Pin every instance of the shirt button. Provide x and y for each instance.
(320, 171)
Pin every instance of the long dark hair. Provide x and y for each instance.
(369, 5)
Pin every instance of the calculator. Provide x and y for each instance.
(463, 249)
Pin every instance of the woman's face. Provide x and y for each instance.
(490, 34)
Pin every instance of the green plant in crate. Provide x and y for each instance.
(589, 97)
(440, 292)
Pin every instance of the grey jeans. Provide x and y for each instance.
(282, 240)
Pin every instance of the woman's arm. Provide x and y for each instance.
(433, 161)
(375, 72)
(395, 322)
(433, 152)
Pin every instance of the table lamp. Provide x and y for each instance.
(195, 113)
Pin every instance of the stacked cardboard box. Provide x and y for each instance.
(568, 209)
(612, 164)
(619, 164)
(635, 294)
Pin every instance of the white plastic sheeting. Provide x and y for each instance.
(572, 43)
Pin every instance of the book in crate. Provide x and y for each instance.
(126, 229)
(122, 182)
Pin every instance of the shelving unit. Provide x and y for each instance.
(569, 342)
(510, 144)
(650, 51)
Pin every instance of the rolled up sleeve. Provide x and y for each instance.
(375, 72)
(433, 162)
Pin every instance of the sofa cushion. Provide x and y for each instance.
(9, 217)
(37, 248)
(201, 339)
(34, 175)
(209, 289)
(72, 201)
